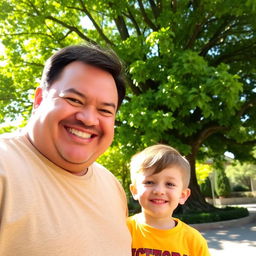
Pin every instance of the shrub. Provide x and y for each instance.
(206, 188)
(133, 206)
(222, 184)
(219, 214)
(238, 188)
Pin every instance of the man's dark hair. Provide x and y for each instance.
(93, 55)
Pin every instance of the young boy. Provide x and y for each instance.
(160, 178)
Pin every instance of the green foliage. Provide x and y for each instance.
(202, 172)
(206, 188)
(240, 188)
(115, 159)
(190, 68)
(241, 173)
(220, 214)
(133, 206)
(222, 185)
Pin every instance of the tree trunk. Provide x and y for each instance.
(196, 202)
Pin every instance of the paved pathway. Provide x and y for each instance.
(236, 241)
(233, 241)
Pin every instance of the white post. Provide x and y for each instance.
(253, 185)
(212, 179)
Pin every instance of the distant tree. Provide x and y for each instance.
(241, 173)
(206, 188)
(203, 171)
(222, 185)
(190, 65)
(115, 160)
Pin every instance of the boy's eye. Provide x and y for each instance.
(148, 182)
(170, 184)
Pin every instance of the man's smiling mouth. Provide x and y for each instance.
(80, 134)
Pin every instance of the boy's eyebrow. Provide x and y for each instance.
(73, 90)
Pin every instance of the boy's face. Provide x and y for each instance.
(159, 194)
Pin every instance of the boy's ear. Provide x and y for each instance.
(38, 97)
(133, 190)
(184, 195)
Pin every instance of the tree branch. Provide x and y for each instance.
(192, 39)
(120, 24)
(100, 31)
(247, 105)
(204, 134)
(154, 8)
(233, 55)
(27, 33)
(145, 17)
(71, 28)
(33, 64)
(217, 37)
(229, 141)
(66, 35)
(174, 5)
(135, 89)
(134, 22)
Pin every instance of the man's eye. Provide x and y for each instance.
(73, 100)
(106, 111)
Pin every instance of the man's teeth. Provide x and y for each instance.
(79, 133)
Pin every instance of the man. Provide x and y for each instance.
(54, 198)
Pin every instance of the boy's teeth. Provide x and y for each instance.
(159, 201)
(79, 133)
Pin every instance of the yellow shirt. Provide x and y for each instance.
(182, 240)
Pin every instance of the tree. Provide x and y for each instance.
(203, 170)
(241, 173)
(222, 185)
(206, 188)
(190, 65)
(117, 163)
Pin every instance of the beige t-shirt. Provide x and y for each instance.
(46, 211)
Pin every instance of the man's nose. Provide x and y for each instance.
(88, 116)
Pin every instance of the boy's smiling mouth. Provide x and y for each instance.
(158, 201)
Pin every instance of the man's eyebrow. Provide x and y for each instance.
(109, 105)
(72, 90)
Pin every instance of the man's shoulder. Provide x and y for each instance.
(97, 167)
(7, 136)
(105, 175)
(10, 138)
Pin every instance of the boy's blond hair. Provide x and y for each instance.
(159, 157)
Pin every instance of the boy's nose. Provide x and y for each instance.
(158, 190)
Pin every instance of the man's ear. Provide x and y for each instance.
(38, 97)
(184, 195)
(133, 190)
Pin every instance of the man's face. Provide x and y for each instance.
(73, 122)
